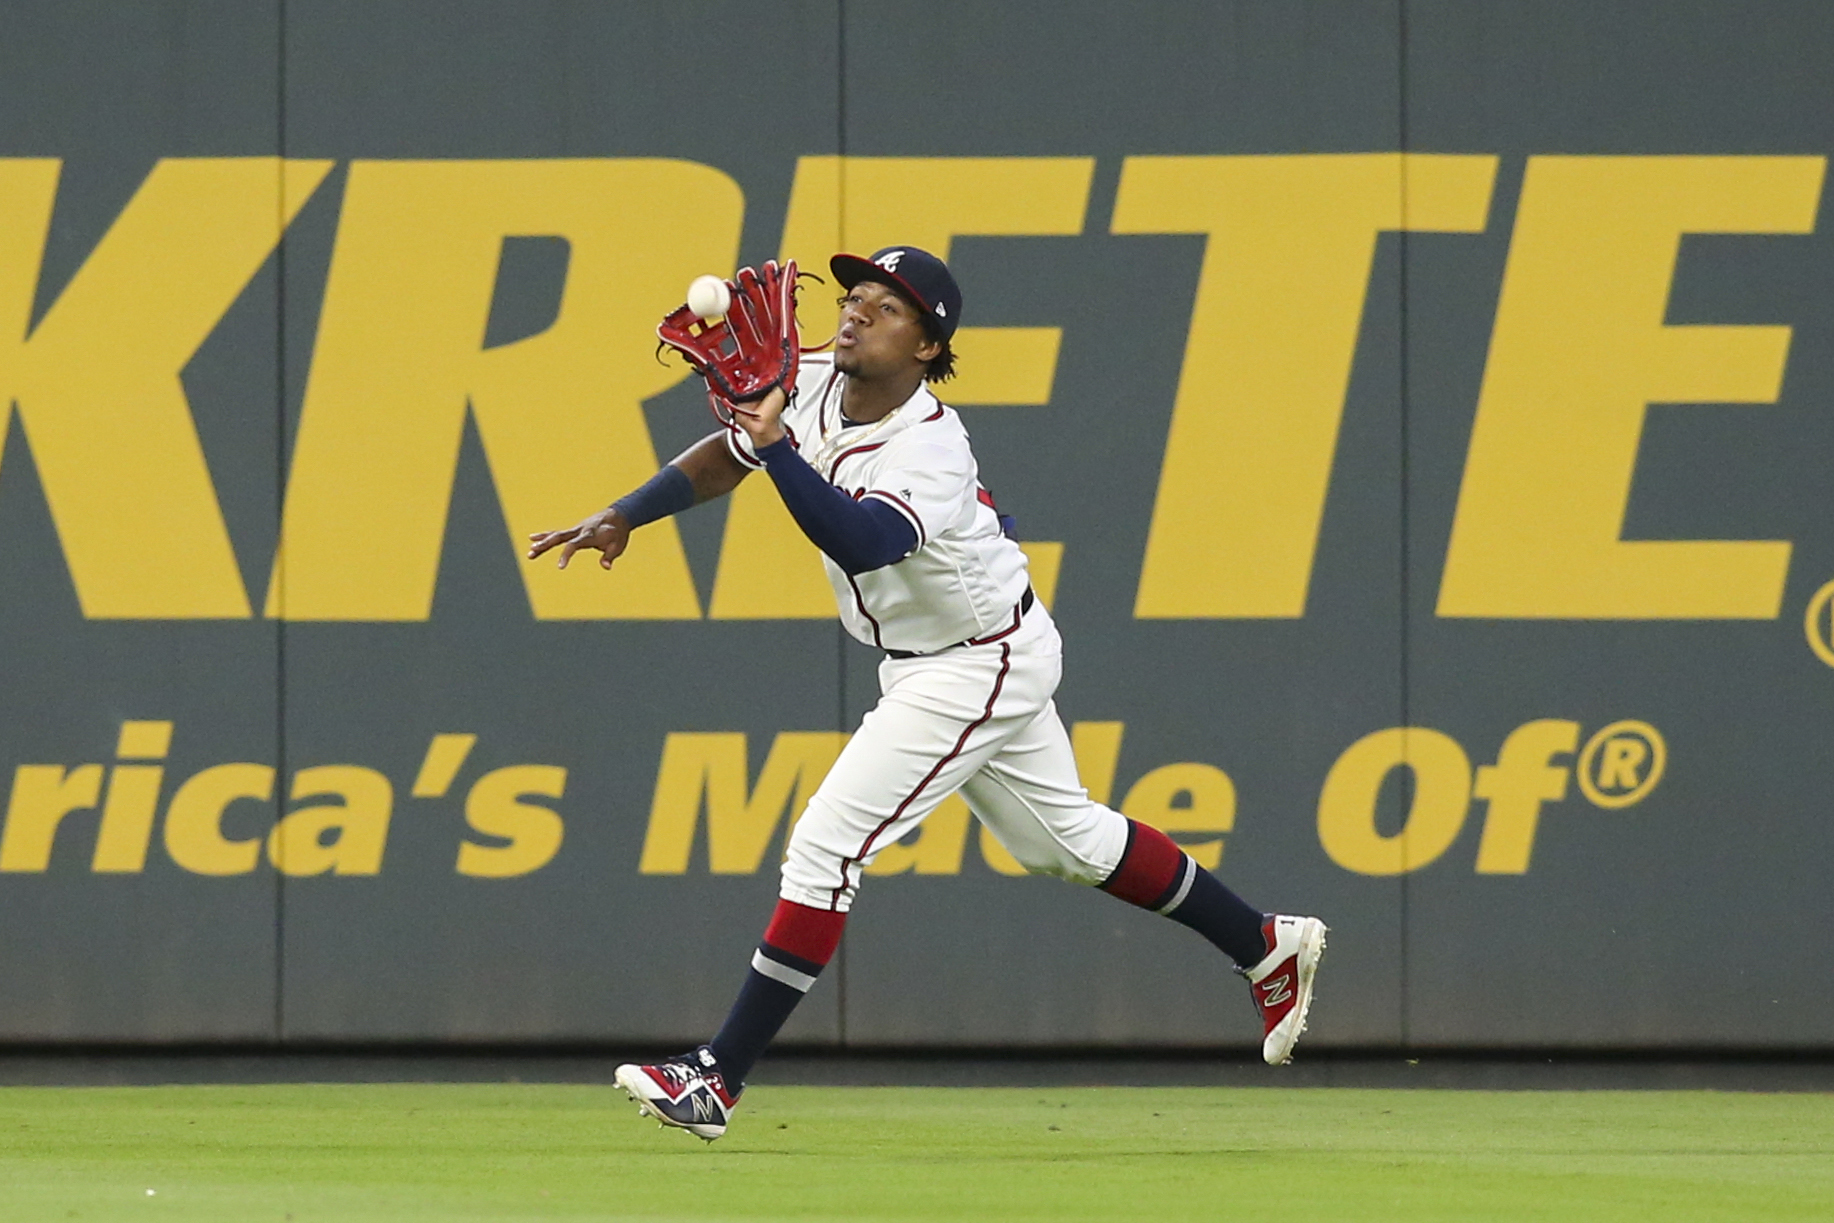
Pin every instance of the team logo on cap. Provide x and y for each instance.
(889, 260)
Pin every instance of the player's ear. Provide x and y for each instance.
(929, 350)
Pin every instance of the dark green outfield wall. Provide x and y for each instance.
(1419, 414)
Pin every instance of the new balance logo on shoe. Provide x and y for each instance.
(1277, 990)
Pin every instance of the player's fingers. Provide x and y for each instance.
(580, 540)
(558, 538)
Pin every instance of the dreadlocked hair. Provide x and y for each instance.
(941, 367)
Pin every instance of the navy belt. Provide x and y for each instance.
(1019, 609)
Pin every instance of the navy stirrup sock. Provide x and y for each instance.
(797, 945)
(1229, 922)
(1155, 874)
(762, 1007)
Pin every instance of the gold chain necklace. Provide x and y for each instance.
(845, 437)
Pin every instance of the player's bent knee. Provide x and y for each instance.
(1060, 863)
(819, 846)
(1085, 873)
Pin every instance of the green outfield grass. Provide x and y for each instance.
(467, 1152)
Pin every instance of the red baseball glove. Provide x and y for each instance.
(753, 349)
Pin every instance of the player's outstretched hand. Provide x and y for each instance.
(606, 530)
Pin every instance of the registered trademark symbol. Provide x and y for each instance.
(1622, 763)
(1818, 624)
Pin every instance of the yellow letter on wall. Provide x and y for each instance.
(1267, 360)
(97, 383)
(1515, 787)
(493, 808)
(1347, 804)
(297, 844)
(400, 354)
(133, 796)
(43, 794)
(1578, 352)
(194, 819)
(739, 828)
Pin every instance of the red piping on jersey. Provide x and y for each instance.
(847, 454)
(739, 454)
(859, 601)
(1006, 656)
(902, 504)
(821, 409)
(738, 451)
(1009, 630)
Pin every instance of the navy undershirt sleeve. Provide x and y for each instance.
(859, 535)
(668, 492)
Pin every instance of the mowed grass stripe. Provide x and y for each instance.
(503, 1152)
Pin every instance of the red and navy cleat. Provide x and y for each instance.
(687, 1092)
(1282, 982)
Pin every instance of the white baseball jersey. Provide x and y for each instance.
(965, 578)
(978, 718)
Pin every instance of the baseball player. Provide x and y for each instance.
(880, 475)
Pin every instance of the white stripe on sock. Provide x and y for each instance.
(798, 981)
(1184, 888)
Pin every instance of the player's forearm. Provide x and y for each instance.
(700, 473)
(859, 536)
(710, 467)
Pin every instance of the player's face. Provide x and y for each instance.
(881, 334)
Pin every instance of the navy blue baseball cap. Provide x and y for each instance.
(917, 274)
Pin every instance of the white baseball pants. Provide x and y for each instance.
(978, 719)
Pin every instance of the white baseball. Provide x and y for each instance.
(709, 297)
